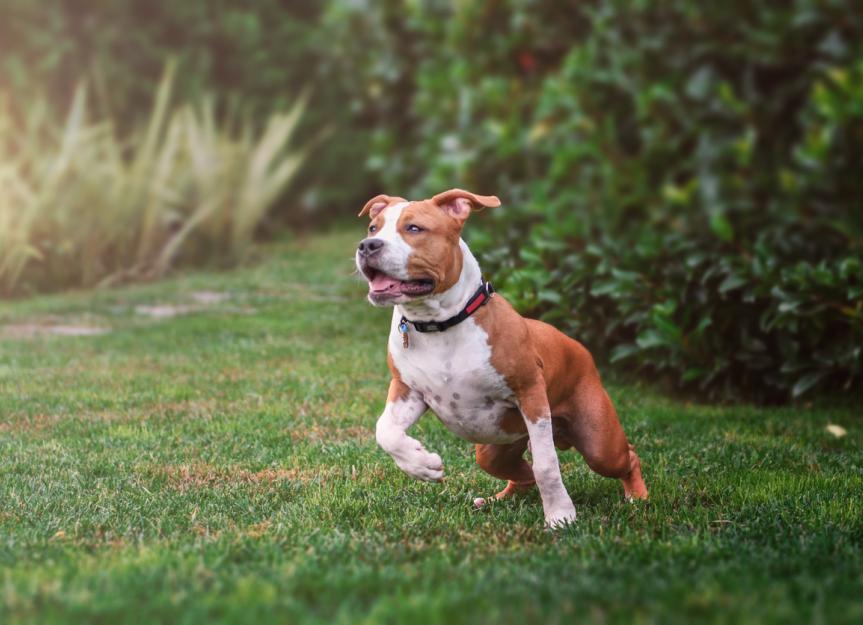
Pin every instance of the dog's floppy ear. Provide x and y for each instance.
(458, 203)
(377, 204)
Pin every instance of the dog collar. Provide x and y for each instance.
(483, 294)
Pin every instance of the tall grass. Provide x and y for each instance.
(81, 205)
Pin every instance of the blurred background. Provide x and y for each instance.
(682, 181)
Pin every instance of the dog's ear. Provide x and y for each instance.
(459, 203)
(377, 204)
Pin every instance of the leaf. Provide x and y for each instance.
(650, 338)
(550, 296)
(693, 374)
(721, 227)
(731, 282)
(670, 329)
(604, 288)
(806, 382)
(700, 83)
(621, 352)
(836, 430)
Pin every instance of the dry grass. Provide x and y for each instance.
(201, 475)
(81, 205)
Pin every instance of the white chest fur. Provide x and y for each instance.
(453, 372)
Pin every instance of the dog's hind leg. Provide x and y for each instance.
(507, 463)
(597, 434)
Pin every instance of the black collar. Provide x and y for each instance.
(483, 294)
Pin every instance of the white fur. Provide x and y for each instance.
(409, 454)
(393, 257)
(556, 502)
(453, 374)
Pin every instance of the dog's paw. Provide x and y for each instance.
(422, 465)
(561, 516)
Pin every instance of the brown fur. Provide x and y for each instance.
(553, 375)
(512, 422)
(436, 252)
(506, 462)
(379, 202)
(399, 391)
(459, 203)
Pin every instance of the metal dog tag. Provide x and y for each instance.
(403, 328)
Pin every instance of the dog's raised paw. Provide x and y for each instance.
(423, 465)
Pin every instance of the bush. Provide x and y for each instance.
(682, 179)
(80, 206)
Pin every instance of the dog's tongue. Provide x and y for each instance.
(382, 283)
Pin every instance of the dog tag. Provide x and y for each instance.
(403, 328)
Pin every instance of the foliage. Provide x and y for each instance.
(681, 179)
(221, 467)
(255, 55)
(80, 206)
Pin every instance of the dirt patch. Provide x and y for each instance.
(258, 529)
(200, 302)
(78, 330)
(307, 292)
(49, 327)
(320, 432)
(20, 422)
(196, 409)
(202, 475)
(210, 298)
(165, 311)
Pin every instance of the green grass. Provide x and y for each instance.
(221, 466)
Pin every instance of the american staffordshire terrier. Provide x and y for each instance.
(493, 377)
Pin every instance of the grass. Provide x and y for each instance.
(220, 465)
(80, 207)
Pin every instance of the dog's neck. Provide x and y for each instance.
(449, 303)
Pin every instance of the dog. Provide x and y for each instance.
(493, 377)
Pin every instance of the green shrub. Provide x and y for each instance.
(681, 180)
(80, 206)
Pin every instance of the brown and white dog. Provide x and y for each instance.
(491, 376)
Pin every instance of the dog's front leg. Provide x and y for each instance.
(404, 407)
(556, 502)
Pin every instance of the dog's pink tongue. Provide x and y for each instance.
(382, 282)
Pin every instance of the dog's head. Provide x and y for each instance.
(412, 250)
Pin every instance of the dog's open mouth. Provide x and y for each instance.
(383, 286)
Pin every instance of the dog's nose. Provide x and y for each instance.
(370, 246)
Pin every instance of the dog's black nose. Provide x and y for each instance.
(370, 246)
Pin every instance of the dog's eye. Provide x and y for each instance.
(373, 228)
(414, 228)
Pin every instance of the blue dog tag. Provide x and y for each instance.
(403, 328)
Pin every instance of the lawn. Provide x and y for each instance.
(202, 450)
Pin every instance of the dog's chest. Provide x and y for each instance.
(453, 372)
